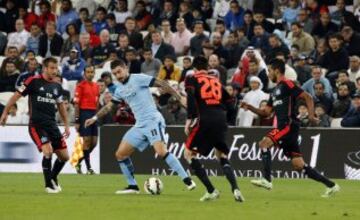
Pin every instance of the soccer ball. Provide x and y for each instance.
(153, 186)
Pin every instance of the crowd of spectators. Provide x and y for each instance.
(318, 40)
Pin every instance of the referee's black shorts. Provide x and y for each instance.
(209, 133)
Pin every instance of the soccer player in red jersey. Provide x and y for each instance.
(44, 95)
(283, 102)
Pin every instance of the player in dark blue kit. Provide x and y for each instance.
(44, 94)
(283, 101)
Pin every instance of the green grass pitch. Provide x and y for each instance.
(92, 197)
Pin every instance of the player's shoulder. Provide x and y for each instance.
(288, 83)
(32, 79)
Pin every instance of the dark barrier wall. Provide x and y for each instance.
(334, 152)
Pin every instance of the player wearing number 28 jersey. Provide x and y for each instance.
(207, 101)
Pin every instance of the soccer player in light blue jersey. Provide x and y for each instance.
(150, 125)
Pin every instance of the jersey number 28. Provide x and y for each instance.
(210, 90)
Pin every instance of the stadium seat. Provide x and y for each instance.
(336, 123)
(144, 33)
(39, 59)
(2, 58)
(98, 73)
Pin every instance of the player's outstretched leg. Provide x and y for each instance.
(299, 165)
(127, 168)
(200, 172)
(62, 157)
(230, 176)
(265, 182)
(174, 164)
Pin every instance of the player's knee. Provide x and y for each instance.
(265, 143)
(224, 162)
(119, 155)
(298, 165)
(64, 158)
(188, 155)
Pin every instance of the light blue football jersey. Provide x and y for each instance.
(136, 93)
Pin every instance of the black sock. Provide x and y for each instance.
(46, 166)
(58, 165)
(229, 173)
(266, 160)
(87, 159)
(201, 174)
(315, 175)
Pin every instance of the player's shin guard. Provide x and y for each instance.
(175, 165)
(266, 160)
(46, 166)
(229, 173)
(87, 158)
(127, 168)
(58, 165)
(315, 175)
(201, 174)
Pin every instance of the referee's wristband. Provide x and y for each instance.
(95, 118)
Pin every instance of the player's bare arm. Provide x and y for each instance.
(63, 114)
(261, 112)
(10, 103)
(168, 89)
(103, 111)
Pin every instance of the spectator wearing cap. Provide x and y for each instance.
(321, 98)
(343, 102)
(106, 77)
(100, 20)
(234, 18)
(32, 42)
(135, 38)
(8, 76)
(18, 39)
(325, 27)
(351, 40)
(234, 49)
(121, 11)
(143, 17)
(159, 48)
(197, 40)
(299, 37)
(67, 16)
(102, 52)
(29, 18)
(72, 69)
(259, 18)
(276, 46)
(114, 29)
(151, 65)
(304, 20)
(260, 40)
(336, 58)
(94, 38)
(352, 117)
(72, 41)
(132, 62)
(181, 38)
(124, 45)
(169, 71)
(316, 74)
(354, 68)
(173, 112)
(185, 13)
(50, 43)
